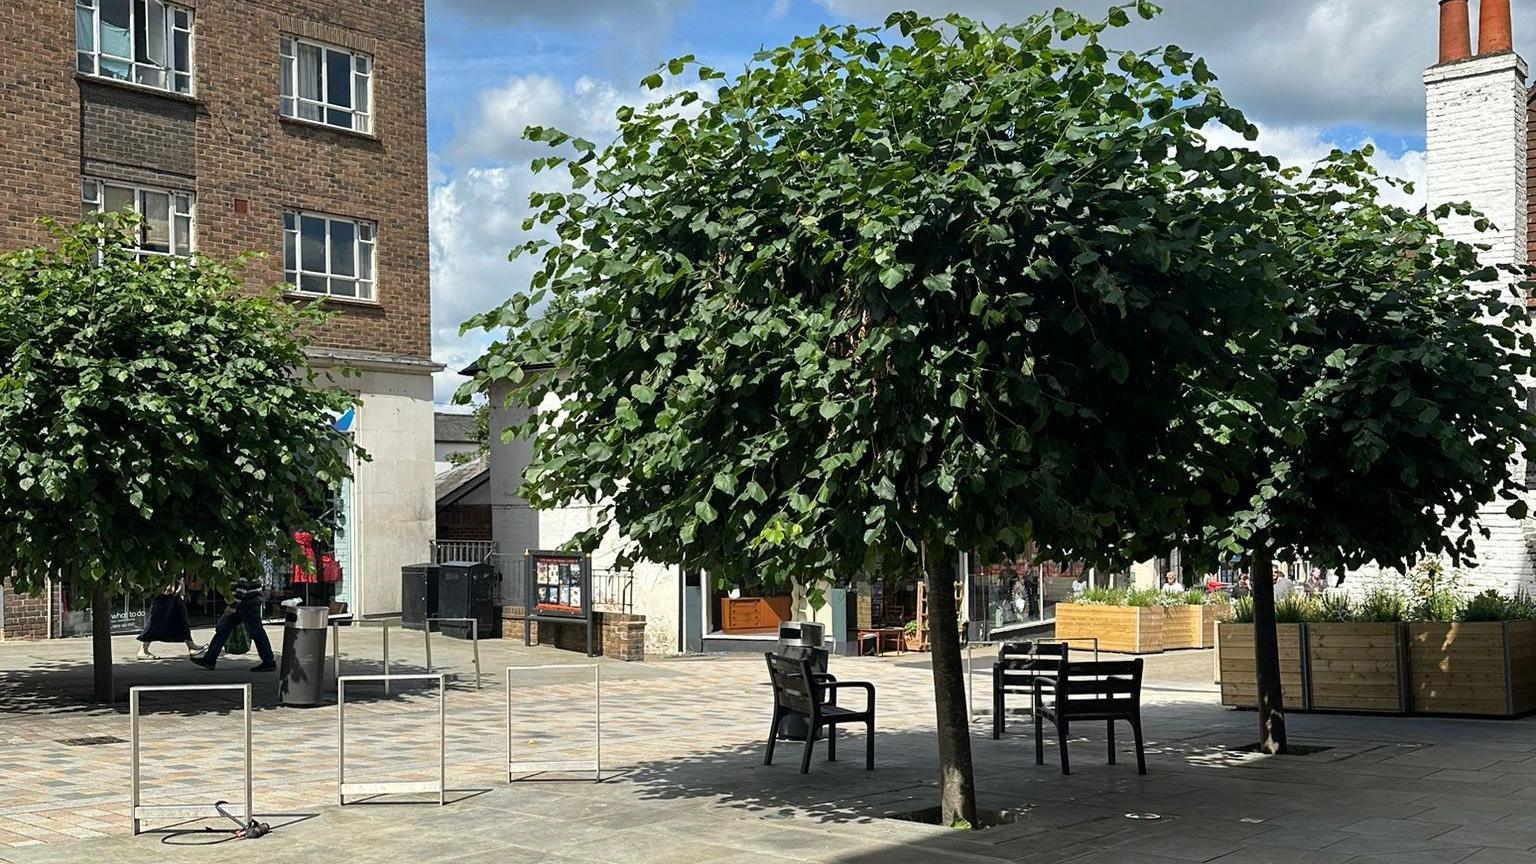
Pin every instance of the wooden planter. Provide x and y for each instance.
(1125, 629)
(1239, 682)
(1478, 668)
(1210, 616)
(1182, 627)
(1357, 667)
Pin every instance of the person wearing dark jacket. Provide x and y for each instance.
(245, 608)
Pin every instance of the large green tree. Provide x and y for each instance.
(1396, 409)
(155, 420)
(894, 293)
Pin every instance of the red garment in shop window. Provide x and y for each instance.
(330, 568)
(302, 575)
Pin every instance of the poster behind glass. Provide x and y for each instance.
(558, 582)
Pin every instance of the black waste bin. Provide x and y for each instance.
(418, 594)
(801, 639)
(303, 672)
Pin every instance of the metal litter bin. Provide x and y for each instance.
(302, 676)
(801, 640)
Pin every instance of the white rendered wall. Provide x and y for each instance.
(395, 516)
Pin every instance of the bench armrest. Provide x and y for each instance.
(868, 688)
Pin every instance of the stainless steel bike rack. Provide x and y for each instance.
(343, 788)
(474, 638)
(384, 624)
(141, 811)
(595, 764)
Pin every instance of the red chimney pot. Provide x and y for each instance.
(1494, 34)
(1455, 31)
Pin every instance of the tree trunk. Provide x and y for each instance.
(1266, 655)
(101, 642)
(957, 780)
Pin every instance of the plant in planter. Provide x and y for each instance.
(909, 636)
(1119, 619)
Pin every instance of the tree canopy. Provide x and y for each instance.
(934, 282)
(155, 419)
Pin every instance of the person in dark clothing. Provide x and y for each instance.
(167, 621)
(245, 609)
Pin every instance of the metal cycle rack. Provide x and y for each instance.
(595, 764)
(474, 638)
(384, 624)
(141, 811)
(343, 788)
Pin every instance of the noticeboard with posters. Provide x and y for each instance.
(560, 584)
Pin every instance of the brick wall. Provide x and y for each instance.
(26, 616)
(39, 117)
(617, 635)
(249, 163)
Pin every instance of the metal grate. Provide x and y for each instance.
(92, 741)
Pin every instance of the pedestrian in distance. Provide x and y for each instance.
(167, 621)
(245, 608)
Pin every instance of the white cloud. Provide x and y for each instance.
(778, 9)
(585, 109)
(1324, 63)
(1304, 146)
(477, 218)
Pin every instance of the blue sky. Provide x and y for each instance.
(1312, 73)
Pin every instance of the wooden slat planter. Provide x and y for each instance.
(1239, 684)
(1182, 627)
(1357, 667)
(1477, 668)
(1210, 616)
(1126, 629)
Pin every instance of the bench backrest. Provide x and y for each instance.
(1101, 687)
(793, 687)
(1019, 663)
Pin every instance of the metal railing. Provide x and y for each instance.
(139, 810)
(474, 637)
(514, 588)
(613, 590)
(479, 551)
(397, 787)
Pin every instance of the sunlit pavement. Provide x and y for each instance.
(684, 780)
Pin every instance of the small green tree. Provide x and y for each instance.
(1398, 409)
(895, 293)
(155, 421)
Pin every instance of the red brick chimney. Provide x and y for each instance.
(1455, 31)
(1493, 28)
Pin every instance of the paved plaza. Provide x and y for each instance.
(684, 780)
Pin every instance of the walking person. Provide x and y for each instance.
(167, 621)
(245, 609)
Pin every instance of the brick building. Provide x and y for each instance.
(296, 128)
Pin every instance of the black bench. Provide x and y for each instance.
(1108, 691)
(813, 695)
(1018, 665)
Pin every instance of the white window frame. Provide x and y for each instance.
(182, 213)
(176, 73)
(359, 77)
(365, 239)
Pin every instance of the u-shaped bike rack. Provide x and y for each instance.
(343, 788)
(141, 811)
(595, 764)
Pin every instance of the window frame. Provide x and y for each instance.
(174, 197)
(290, 103)
(365, 233)
(88, 59)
